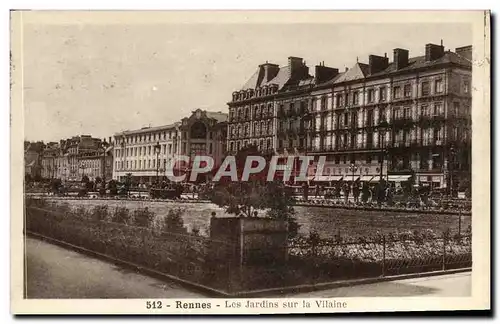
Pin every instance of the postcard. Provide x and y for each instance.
(249, 162)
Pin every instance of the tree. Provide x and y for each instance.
(128, 182)
(247, 198)
(239, 198)
(113, 190)
(56, 185)
(174, 223)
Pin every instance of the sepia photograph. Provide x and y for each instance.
(249, 162)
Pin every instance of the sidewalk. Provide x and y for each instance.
(452, 285)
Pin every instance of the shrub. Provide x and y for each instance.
(121, 215)
(173, 222)
(99, 213)
(144, 217)
(80, 212)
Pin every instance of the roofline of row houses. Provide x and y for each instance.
(369, 78)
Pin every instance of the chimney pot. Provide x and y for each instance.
(400, 58)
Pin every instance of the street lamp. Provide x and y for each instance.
(451, 167)
(353, 168)
(382, 130)
(157, 150)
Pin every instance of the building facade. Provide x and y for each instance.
(72, 158)
(146, 153)
(48, 160)
(400, 120)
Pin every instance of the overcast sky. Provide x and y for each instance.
(100, 79)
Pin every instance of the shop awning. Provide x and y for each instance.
(327, 178)
(377, 178)
(350, 178)
(399, 178)
(366, 178)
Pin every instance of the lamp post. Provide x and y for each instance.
(382, 130)
(353, 168)
(451, 168)
(307, 120)
(123, 151)
(157, 150)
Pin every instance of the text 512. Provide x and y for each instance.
(154, 304)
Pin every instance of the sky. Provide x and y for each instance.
(100, 79)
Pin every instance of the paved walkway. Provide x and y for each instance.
(453, 285)
(55, 272)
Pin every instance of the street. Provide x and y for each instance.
(55, 272)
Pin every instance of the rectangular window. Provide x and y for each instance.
(398, 113)
(466, 87)
(323, 103)
(339, 100)
(437, 109)
(407, 90)
(383, 94)
(355, 98)
(346, 119)
(407, 113)
(426, 89)
(424, 110)
(371, 95)
(456, 109)
(210, 149)
(397, 92)
(438, 86)
(369, 118)
(437, 134)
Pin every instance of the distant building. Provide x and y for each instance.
(48, 160)
(33, 159)
(204, 133)
(147, 152)
(425, 101)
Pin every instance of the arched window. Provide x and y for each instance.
(263, 129)
(198, 130)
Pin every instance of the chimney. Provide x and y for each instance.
(377, 63)
(400, 58)
(433, 52)
(324, 73)
(297, 68)
(465, 51)
(270, 71)
(109, 138)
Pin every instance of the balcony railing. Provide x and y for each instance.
(402, 122)
(428, 119)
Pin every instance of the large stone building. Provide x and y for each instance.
(72, 158)
(413, 111)
(33, 159)
(146, 153)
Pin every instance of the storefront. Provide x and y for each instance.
(433, 181)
